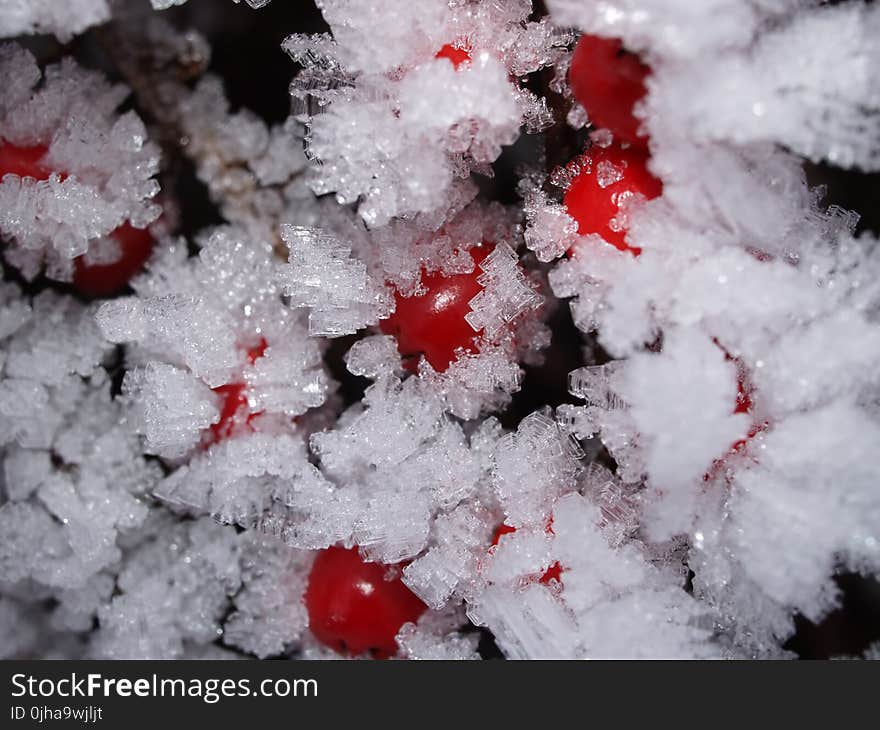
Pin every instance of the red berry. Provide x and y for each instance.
(608, 81)
(102, 280)
(433, 324)
(23, 161)
(611, 177)
(554, 572)
(457, 54)
(234, 409)
(92, 280)
(357, 607)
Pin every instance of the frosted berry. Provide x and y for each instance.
(357, 607)
(597, 197)
(607, 81)
(459, 55)
(91, 280)
(234, 408)
(554, 572)
(102, 280)
(433, 324)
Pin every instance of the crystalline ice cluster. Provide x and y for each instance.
(252, 171)
(752, 287)
(99, 165)
(175, 458)
(398, 126)
(203, 325)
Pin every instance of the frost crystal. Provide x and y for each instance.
(217, 319)
(532, 466)
(506, 293)
(394, 141)
(322, 276)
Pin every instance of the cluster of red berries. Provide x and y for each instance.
(608, 82)
(91, 280)
(355, 606)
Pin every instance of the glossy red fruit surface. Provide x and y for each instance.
(434, 324)
(554, 572)
(457, 54)
(608, 81)
(612, 177)
(23, 161)
(234, 408)
(353, 607)
(103, 280)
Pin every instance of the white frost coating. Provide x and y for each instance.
(322, 275)
(173, 590)
(396, 141)
(400, 461)
(35, 353)
(63, 19)
(435, 637)
(205, 322)
(607, 595)
(43, 374)
(798, 86)
(675, 28)
(373, 357)
(173, 407)
(252, 171)
(369, 44)
(550, 231)
(716, 473)
(453, 561)
(269, 613)
(99, 166)
(532, 467)
(741, 403)
(387, 407)
(264, 481)
(476, 383)
(682, 405)
(74, 480)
